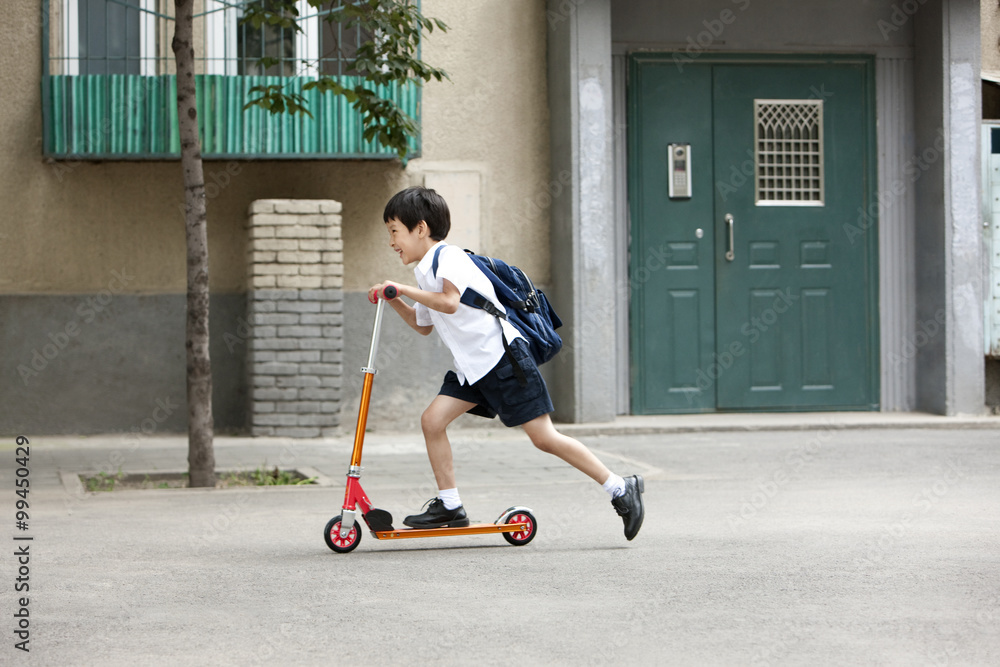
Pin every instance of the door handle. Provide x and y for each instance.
(730, 250)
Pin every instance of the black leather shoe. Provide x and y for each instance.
(629, 505)
(436, 516)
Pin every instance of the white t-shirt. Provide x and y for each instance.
(470, 333)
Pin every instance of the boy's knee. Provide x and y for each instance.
(547, 445)
(431, 423)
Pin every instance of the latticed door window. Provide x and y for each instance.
(789, 152)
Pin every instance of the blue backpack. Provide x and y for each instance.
(527, 308)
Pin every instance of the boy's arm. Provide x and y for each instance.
(446, 301)
(409, 315)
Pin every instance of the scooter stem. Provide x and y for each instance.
(359, 433)
(366, 391)
(376, 334)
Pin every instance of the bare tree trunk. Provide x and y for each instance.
(201, 456)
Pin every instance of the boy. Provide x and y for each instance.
(484, 381)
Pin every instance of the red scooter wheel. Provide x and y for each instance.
(341, 544)
(522, 537)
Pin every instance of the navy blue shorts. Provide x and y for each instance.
(500, 393)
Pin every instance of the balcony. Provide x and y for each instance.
(109, 91)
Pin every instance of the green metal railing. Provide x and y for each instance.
(133, 116)
(127, 116)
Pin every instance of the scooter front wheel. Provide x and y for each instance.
(341, 545)
(521, 537)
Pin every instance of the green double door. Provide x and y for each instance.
(758, 291)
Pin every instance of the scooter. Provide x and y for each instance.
(343, 532)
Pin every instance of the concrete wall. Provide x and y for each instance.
(951, 375)
(760, 25)
(583, 221)
(990, 54)
(107, 361)
(67, 225)
(929, 228)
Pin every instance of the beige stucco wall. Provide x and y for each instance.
(66, 226)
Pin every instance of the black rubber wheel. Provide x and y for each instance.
(341, 545)
(520, 538)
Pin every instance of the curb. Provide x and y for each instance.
(620, 427)
(742, 423)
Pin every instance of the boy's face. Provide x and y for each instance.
(410, 245)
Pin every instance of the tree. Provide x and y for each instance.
(388, 56)
(201, 454)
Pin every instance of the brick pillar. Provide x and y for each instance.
(295, 307)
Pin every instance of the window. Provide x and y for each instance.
(268, 42)
(321, 48)
(108, 37)
(789, 152)
(337, 47)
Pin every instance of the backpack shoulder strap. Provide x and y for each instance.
(434, 264)
(471, 297)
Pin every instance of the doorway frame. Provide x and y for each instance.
(635, 60)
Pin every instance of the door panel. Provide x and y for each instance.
(685, 306)
(672, 271)
(765, 339)
(816, 343)
(796, 291)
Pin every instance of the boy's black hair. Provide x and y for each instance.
(412, 205)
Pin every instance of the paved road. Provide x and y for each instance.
(818, 546)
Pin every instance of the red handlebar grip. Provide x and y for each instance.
(390, 293)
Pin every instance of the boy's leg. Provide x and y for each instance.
(626, 493)
(446, 509)
(442, 411)
(545, 437)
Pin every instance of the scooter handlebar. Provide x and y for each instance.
(390, 293)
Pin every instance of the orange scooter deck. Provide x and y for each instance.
(474, 529)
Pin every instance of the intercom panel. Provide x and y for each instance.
(679, 157)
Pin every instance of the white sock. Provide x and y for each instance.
(451, 500)
(615, 486)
